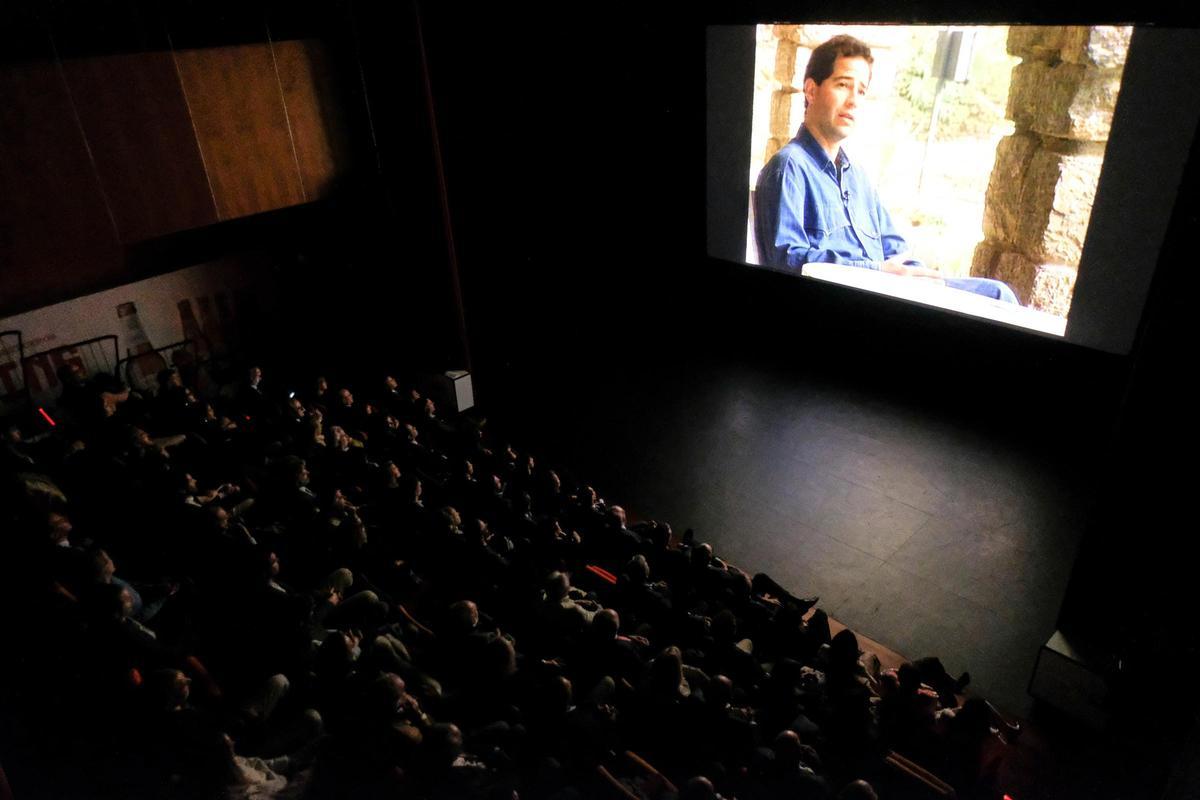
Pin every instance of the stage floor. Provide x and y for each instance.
(933, 536)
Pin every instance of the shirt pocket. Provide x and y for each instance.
(865, 224)
(870, 237)
(817, 233)
(867, 228)
(823, 224)
(872, 243)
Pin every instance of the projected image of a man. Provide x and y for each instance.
(829, 105)
(813, 204)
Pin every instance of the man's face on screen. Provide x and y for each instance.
(833, 105)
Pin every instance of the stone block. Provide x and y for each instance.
(1046, 287)
(790, 33)
(985, 258)
(1041, 42)
(1018, 272)
(1069, 101)
(1002, 208)
(1025, 92)
(785, 62)
(1102, 45)
(781, 113)
(1053, 287)
(1055, 205)
(1071, 211)
(1076, 101)
(1039, 201)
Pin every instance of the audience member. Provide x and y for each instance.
(281, 552)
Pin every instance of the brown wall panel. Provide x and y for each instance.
(57, 238)
(316, 118)
(136, 120)
(237, 109)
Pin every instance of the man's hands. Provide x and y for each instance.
(896, 265)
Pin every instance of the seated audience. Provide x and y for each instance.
(287, 566)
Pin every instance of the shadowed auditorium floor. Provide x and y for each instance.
(933, 536)
(930, 532)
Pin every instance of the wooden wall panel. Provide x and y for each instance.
(57, 239)
(136, 120)
(316, 117)
(101, 153)
(237, 109)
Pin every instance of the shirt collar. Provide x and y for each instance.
(811, 146)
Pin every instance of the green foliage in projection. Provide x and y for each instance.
(974, 109)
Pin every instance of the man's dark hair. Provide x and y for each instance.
(820, 63)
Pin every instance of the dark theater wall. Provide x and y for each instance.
(571, 143)
(134, 116)
(54, 217)
(110, 138)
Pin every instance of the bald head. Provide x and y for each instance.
(858, 790)
(606, 623)
(698, 788)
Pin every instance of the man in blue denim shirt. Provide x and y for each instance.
(812, 205)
